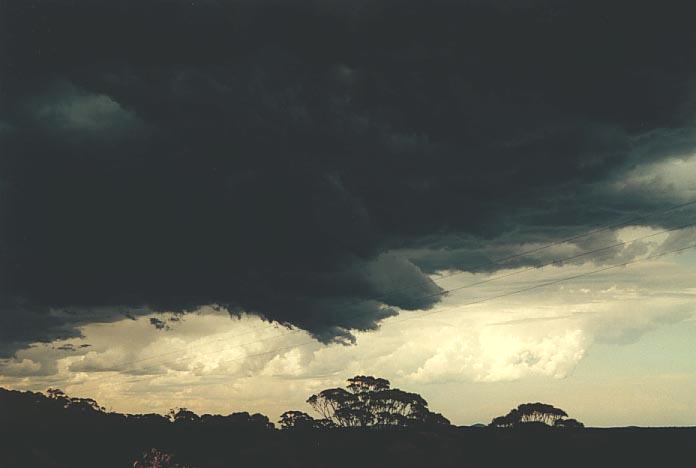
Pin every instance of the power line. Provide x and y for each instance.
(439, 293)
(499, 262)
(601, 228)
(561, 280)
(459, 288)
(480, 301)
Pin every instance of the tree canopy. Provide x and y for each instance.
(535, 413)
(298, 420)
(371, 402)
(569, 423)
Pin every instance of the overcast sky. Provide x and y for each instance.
(230, 205)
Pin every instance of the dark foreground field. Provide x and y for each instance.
(35, 434)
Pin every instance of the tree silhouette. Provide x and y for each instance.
(508, 420)
(365, 383)
(569, 424)
(182, 415)
(76, 404)
(535, 413)
(371, 402)
(298, 420)
(540, 412)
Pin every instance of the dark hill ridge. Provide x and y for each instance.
(38, 430)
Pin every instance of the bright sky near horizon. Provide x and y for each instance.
(615, 348)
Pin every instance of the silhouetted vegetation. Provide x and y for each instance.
(300, 421)
(569, 423)
(366, 424)
(535, 414)
(371, 402)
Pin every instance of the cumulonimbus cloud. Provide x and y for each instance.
(280, 158)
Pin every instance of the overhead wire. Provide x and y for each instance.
(489, 262)
(462, 287)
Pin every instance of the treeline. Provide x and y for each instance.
(56, 430)
(58, 427)
(366, 424)
(365, 402)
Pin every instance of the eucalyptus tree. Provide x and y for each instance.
(299, 420)
(371, 402)
(534, 413)
(540, 412)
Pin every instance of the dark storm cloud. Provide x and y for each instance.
(267, 156)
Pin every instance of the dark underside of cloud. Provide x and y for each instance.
(276, 157)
